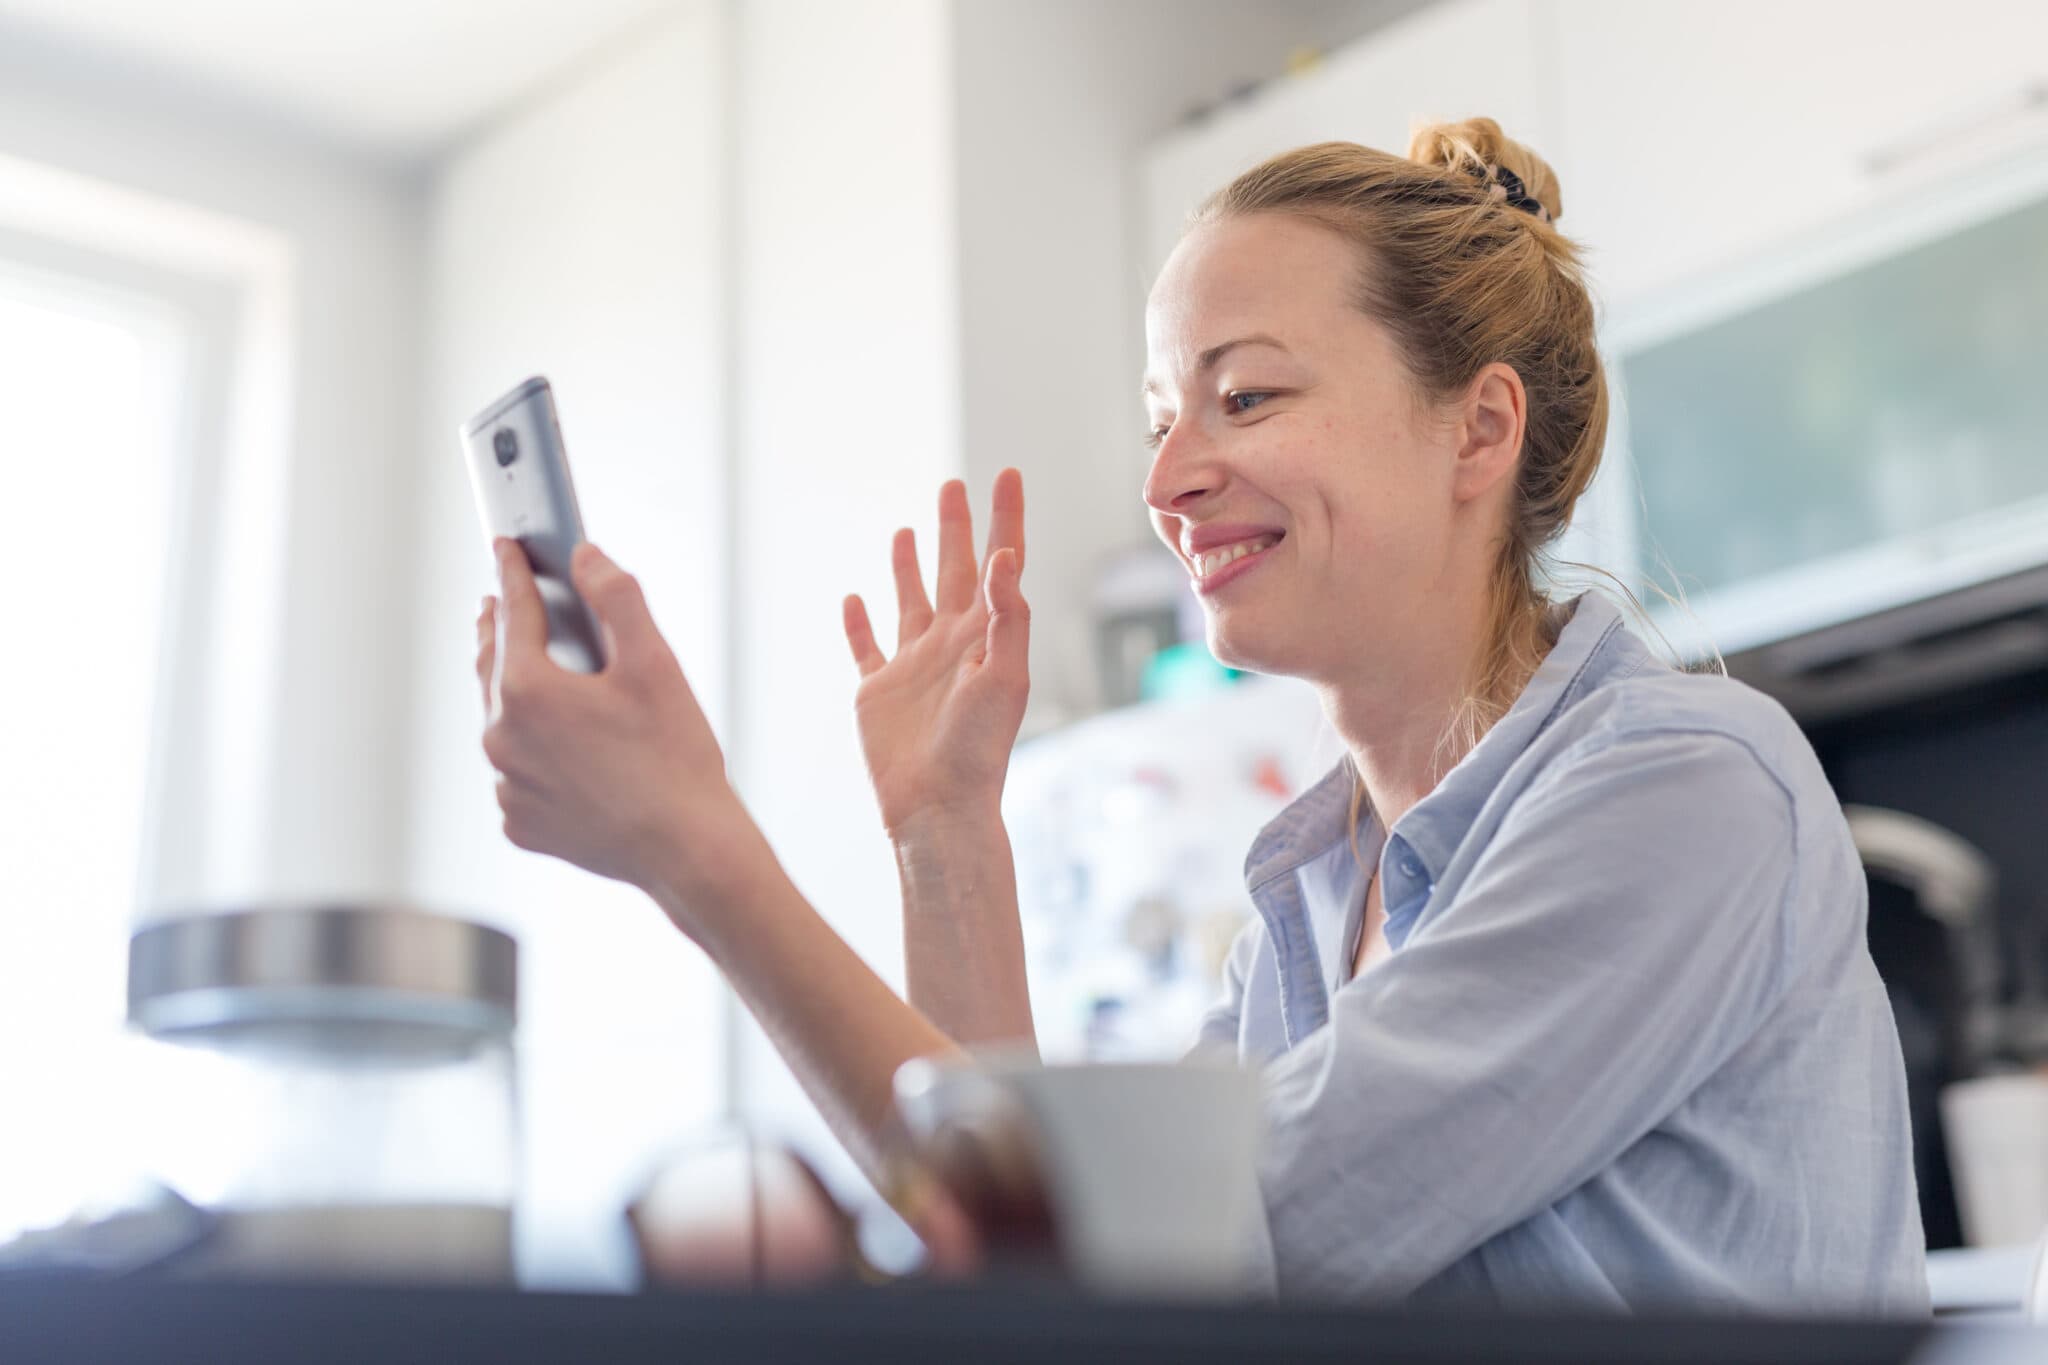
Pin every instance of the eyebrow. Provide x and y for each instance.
(1207, 360)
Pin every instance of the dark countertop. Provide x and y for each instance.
(53, 1320)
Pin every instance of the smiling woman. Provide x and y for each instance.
(1494, 917)
(1559, 983)
(1455, 293)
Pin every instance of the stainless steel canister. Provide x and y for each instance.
(336, 1084)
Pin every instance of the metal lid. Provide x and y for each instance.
(330, 967)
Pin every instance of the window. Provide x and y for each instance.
(90, 423)
(145, 362)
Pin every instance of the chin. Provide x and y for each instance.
(1244, 646)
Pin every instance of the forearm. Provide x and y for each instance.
(963, 943)
(842, 1030)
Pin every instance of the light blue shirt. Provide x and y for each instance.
(1629, 1051)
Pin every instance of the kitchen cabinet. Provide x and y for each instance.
(1449, 61)
(1820, 438)
(1687, 133)
(1816, 232)
(1693, 134)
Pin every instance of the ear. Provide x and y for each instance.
(1491, 423)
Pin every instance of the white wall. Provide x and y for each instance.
(751, 327)
(320, 810)
(846, 339)
(581, 240)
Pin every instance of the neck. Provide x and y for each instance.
(1397, 713)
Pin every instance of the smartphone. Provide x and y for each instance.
(520, 473)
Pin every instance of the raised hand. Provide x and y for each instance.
(618, 771)
(938, 720)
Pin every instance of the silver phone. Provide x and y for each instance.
(520, 473)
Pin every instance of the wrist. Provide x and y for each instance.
(937, 826)
(955, 869)
(706, 862)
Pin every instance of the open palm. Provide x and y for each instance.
(938, 720)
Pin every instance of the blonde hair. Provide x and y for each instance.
(1462, 277)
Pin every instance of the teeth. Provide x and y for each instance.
(1207, 564)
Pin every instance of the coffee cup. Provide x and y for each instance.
(1997, 1132)
(1140, 1177)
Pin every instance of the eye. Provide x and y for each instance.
(1244, 400)
(1154, 437)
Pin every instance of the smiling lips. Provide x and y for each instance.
(1219, 555)
(1208, 564)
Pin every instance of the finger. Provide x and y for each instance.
(1009, 619)
(913, 608)
(523, 635)
(615, 599)
(949, 1237)
(486, 648)
(1006, 517)
(860, 636)
(954, 590)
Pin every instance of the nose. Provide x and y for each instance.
(1184, 471)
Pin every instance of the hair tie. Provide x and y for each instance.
(1507, 185)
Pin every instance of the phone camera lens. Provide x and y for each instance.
(506, 444)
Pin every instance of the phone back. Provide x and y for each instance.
(519, 471)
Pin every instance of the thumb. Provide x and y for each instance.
(1009, 618)
(614, 598)
(525, 617)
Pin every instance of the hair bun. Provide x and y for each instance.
(1476, 147)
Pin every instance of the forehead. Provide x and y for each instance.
(1259, 273)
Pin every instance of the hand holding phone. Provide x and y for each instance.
(519, 471)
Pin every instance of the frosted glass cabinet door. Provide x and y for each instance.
(1865, 440)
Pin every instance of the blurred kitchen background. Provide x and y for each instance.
(789, 265)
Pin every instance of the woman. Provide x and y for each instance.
(1559, 981)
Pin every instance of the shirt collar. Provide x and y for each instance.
(1592, 648)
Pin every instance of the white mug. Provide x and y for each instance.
(1150, 1169)
(1997, 1131)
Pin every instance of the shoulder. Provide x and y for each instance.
(1677, 806)
(1731, 732)
(1684, 770)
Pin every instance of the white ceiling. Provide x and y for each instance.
(401, 78)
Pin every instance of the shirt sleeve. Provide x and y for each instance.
(1623, 932)
(1220, 1025)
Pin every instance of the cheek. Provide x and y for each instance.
(1381, 497)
